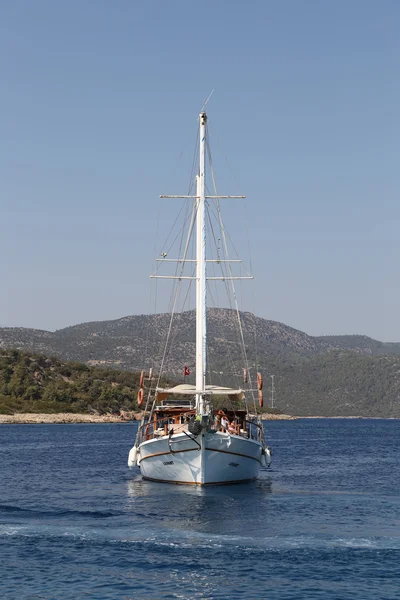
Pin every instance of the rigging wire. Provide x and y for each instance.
(148, 343)
(178, 283)
(176, 293)
(230, 357)
(229, 268)
(221, 245)
(227, 346)
(246, 221)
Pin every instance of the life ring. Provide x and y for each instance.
(140, 397)
(259, 381)
(260, 398)
(141, 381)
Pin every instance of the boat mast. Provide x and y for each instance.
(201, 299)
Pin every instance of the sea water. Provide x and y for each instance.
(322, 522)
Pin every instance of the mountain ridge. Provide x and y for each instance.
(321, 375)
(12, 336)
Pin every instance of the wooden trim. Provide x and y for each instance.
(234, 453)
(193, 449)
(169, 452)
(201, 484)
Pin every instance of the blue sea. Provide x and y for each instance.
(323, 522)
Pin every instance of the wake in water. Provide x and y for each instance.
(188, 539)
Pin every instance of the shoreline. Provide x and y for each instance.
(124, 417)
(346, 417)
(48, 418)
(277, 417)
(129, 417)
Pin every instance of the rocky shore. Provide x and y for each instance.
(65, 418)
(123, 417)
(277, 417)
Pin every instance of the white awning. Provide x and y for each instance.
(186, 389)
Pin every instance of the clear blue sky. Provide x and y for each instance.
(99, 98)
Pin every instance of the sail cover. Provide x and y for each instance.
(186, 389)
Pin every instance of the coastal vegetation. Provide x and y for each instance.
(34, 383)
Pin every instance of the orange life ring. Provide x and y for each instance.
(141, 381)
(140, 397)
(260, 398)
(259, 381)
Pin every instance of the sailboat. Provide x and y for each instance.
(200, 433)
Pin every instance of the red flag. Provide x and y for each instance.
(186, 371)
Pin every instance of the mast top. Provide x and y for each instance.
(203, 118)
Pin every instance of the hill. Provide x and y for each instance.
(35, 383)
(328, 375)
(361, 344)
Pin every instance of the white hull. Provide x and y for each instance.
(210, 458)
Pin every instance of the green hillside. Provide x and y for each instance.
(333, 384)
(37, 384)
(337, 384)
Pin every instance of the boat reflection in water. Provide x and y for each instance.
(197, 514)
(138, 487)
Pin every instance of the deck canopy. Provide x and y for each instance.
(186, 389)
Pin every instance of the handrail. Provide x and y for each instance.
(148, 429)
(253, 423)
(183, 414)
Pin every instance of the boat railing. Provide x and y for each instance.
(245, 428)
(255, 430)
(161, 427)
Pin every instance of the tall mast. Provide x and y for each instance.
(201, 300)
